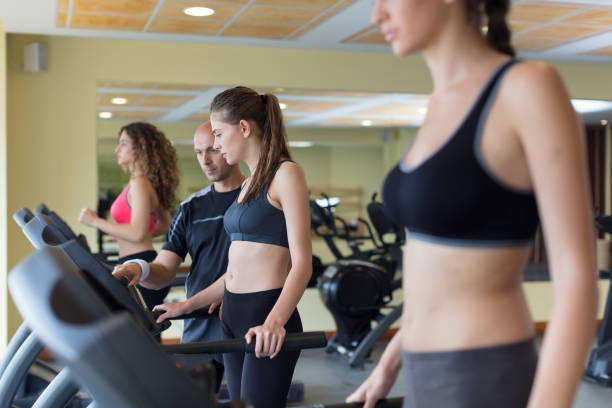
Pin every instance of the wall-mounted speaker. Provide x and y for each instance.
(35, 58)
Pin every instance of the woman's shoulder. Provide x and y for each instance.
(529, 77)
(141, 184)
(534, 86)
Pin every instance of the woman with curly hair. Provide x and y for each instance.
(141, 211)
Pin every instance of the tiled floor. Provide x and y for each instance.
(329, 379)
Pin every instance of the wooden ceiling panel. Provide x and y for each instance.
(322, 4)
(539, 13)
(62, 5)
(164, 101)
(223, 12)
(114, 22)
(321, 18)
(516, 28)
(115, 6)
(562, 32)
(593, 17)
(198, 117)
(373, 37)
(534, 44)
(360, 33)
(278, 15)
(61, 19)
(313, 107)
(603, 52)
(132, 99)
(184, 26)
(258, 30)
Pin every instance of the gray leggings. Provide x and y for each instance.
(498, 376)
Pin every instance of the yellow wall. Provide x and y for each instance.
(3, 214)
(51, 147)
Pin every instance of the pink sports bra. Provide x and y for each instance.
(122, 212)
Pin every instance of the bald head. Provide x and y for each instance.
(204, 134)
(212, 163)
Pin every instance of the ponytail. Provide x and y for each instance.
(263, 111)
(498, 33)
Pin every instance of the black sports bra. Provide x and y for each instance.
(453, 198)
(257, 220)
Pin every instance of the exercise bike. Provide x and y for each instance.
(358, 286)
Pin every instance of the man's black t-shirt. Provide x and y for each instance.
(197, 229)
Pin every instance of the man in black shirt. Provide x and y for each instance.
(197, 230)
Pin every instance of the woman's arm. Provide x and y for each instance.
(205, 297)
(141, 192)
(552, 138)
(292, 192)
(382, 378)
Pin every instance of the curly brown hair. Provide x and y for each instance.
(158, 159)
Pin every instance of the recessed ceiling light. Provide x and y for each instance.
(119, 101)
(199, 11)
(283, 105)
(586, 105)
(300, 144)
(604, 122)
(105, 115)
(366, 123)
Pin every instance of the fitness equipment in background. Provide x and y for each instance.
(356, 287)
(599, 367)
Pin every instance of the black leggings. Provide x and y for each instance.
(263, 382)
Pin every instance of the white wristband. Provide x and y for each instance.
(144, 266)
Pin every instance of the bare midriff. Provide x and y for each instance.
(463, 297)
(254, 267)
(128, 248)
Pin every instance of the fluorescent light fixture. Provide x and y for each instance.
(119, 101)
(105, 115)
(199, 11)
(283, 106)
(366, 122)
(587, 106)
(422, 111)
(300, 144)
(325, 202)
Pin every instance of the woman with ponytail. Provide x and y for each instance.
(471, 190)
(270, 256)
(142, 210)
